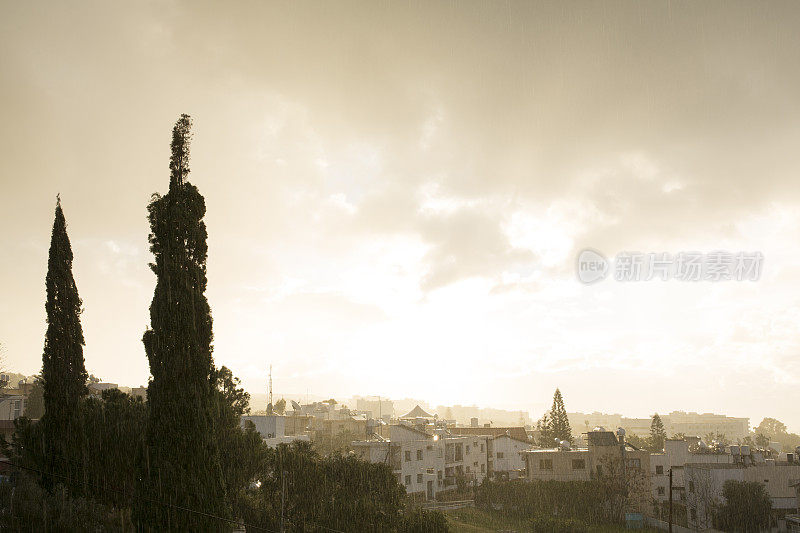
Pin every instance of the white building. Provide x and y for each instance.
(676, 422)
(507, 454)
(427, 460)
(12, 406)
(704, 484)
(676, 455)
(272, 429)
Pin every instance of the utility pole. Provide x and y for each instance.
(670, 500)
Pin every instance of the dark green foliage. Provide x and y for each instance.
(422, 521)
(111, 438)
(337, 492)
(747, 507)
(554, 524)
(638, 442)
(242, 450)
(114, 439)
(34, 403)
(235, 400)
(772, 430)
(63, 371)
(31, 508)
(657, 434)
(181, 460)
(555, 424)
(581, 500)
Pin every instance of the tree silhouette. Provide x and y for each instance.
(554, 425)
(657, 434)
(181, 463)
(63, 371)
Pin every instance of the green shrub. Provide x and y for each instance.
(422, 521)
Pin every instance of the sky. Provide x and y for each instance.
(397, 193)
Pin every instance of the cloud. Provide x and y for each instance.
(418, 177)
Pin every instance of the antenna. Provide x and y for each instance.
(270, 384)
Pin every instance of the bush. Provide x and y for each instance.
(31, 508)
(582, 500)
(422, 521)
(747, 507)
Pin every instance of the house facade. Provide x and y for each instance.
(428, 460)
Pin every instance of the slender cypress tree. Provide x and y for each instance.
(63, 371)
(559, 422)
(180, 464)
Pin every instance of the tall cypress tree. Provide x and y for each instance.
(63, 371)
(559, 422)
(180, 466)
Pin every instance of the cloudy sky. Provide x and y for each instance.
(397, 193)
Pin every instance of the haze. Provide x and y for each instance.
(397, 195)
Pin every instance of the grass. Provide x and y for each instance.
(472, 520)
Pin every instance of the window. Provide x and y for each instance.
(419, 478)
(408, 455)
(408, 480)
(499, 455)
(661, 491)
(691, 486)
(475, 463)
(599, 470)
(483, 469)
(659, 469)
(419, 455)
(634, 463)
(481, 448)
(579, 464)
(439, 474)
(466, 452)
(545, 464)
(467, 470)
(694, 514)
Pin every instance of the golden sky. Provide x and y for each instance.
(397, 192)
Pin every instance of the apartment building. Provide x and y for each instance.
(704, 483)
(676, 422)
(704, 423)
(605, 454)
(426, 459)
(272, 429)
(12, 405)
(506, 456)
(677, 453)
(375, 408)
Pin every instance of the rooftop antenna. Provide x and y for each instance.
(270, 384)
